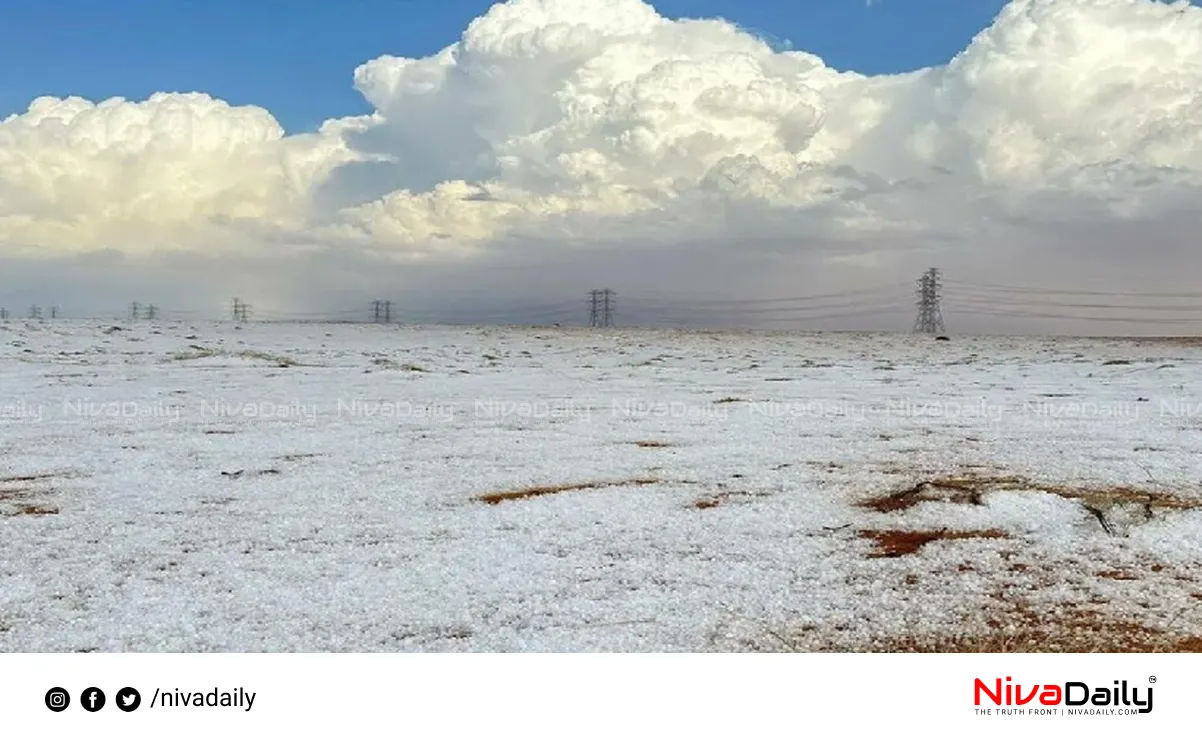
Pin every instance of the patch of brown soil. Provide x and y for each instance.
(971, 488)
(27, 478)
(966, 489)
(896, 543)
(493, 499)
(8, 494)
(33, 509)
(1117, 575)
(19, 495)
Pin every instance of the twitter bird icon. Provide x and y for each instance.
(128, 699)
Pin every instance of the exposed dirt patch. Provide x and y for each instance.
(525, 493)
(28, 478)
(971, 488)
(651, 444)
(235, 474)
(24, 495)
(24, 502)
(387, 363)
(1117, 575)
(438, 632)
(964, 489)
(828, 466)
(29, 509)
(895, 543)
(728, 400)
(274, 359)
(195, 353)
(702, 504)
(12, 494)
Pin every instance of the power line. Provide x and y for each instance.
(794, 317)
(934, 297)
(741, 310)
(1089, 318)
(1072, 292)
(698, 302)
(1027, 301)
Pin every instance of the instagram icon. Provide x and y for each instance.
(57, 699)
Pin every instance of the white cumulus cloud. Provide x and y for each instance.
(82, 175)
(559, 124)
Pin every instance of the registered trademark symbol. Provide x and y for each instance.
(1151, 679)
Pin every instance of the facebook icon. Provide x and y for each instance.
(92, 699)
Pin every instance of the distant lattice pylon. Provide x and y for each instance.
(601, 308)
(930, 317)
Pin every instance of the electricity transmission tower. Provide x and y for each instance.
(601, 307)
(241, 310)
(135, 310)
(35, 313)
(3, 313)
(930, 317)
(151, 311)
(381, 310)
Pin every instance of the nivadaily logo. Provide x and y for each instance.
(1071, 697)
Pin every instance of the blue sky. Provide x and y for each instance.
(296, 57)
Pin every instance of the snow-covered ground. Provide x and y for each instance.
(271, 487)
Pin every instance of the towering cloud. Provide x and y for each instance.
(575, 122)
(78, 175)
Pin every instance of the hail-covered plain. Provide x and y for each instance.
(166, 486)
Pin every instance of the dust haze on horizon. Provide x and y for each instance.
(564, 145)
